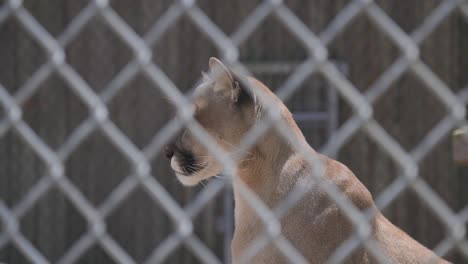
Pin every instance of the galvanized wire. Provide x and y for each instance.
(317, 62)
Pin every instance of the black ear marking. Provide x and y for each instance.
(244, 95)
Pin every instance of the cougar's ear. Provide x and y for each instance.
(223, 78)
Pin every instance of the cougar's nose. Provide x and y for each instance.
(169, 151)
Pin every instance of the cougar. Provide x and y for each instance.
(272, 169)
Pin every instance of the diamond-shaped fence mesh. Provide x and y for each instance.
(139, 151)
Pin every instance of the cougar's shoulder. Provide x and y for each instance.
(297, 171)
(345, 180)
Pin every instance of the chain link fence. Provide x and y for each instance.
(228, 47)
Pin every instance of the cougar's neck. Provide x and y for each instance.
(263, 165)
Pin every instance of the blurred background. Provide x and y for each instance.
(408, 111)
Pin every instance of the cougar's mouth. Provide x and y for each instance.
(185, 163)
(192, 175)
(189, 168)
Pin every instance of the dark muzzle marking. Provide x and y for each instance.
(187, 162)
(186, 159)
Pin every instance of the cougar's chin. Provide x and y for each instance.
(209, 170)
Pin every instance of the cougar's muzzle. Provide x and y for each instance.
(183, 160)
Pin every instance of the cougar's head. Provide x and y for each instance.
(226, 111)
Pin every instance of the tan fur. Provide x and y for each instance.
(271, 168)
